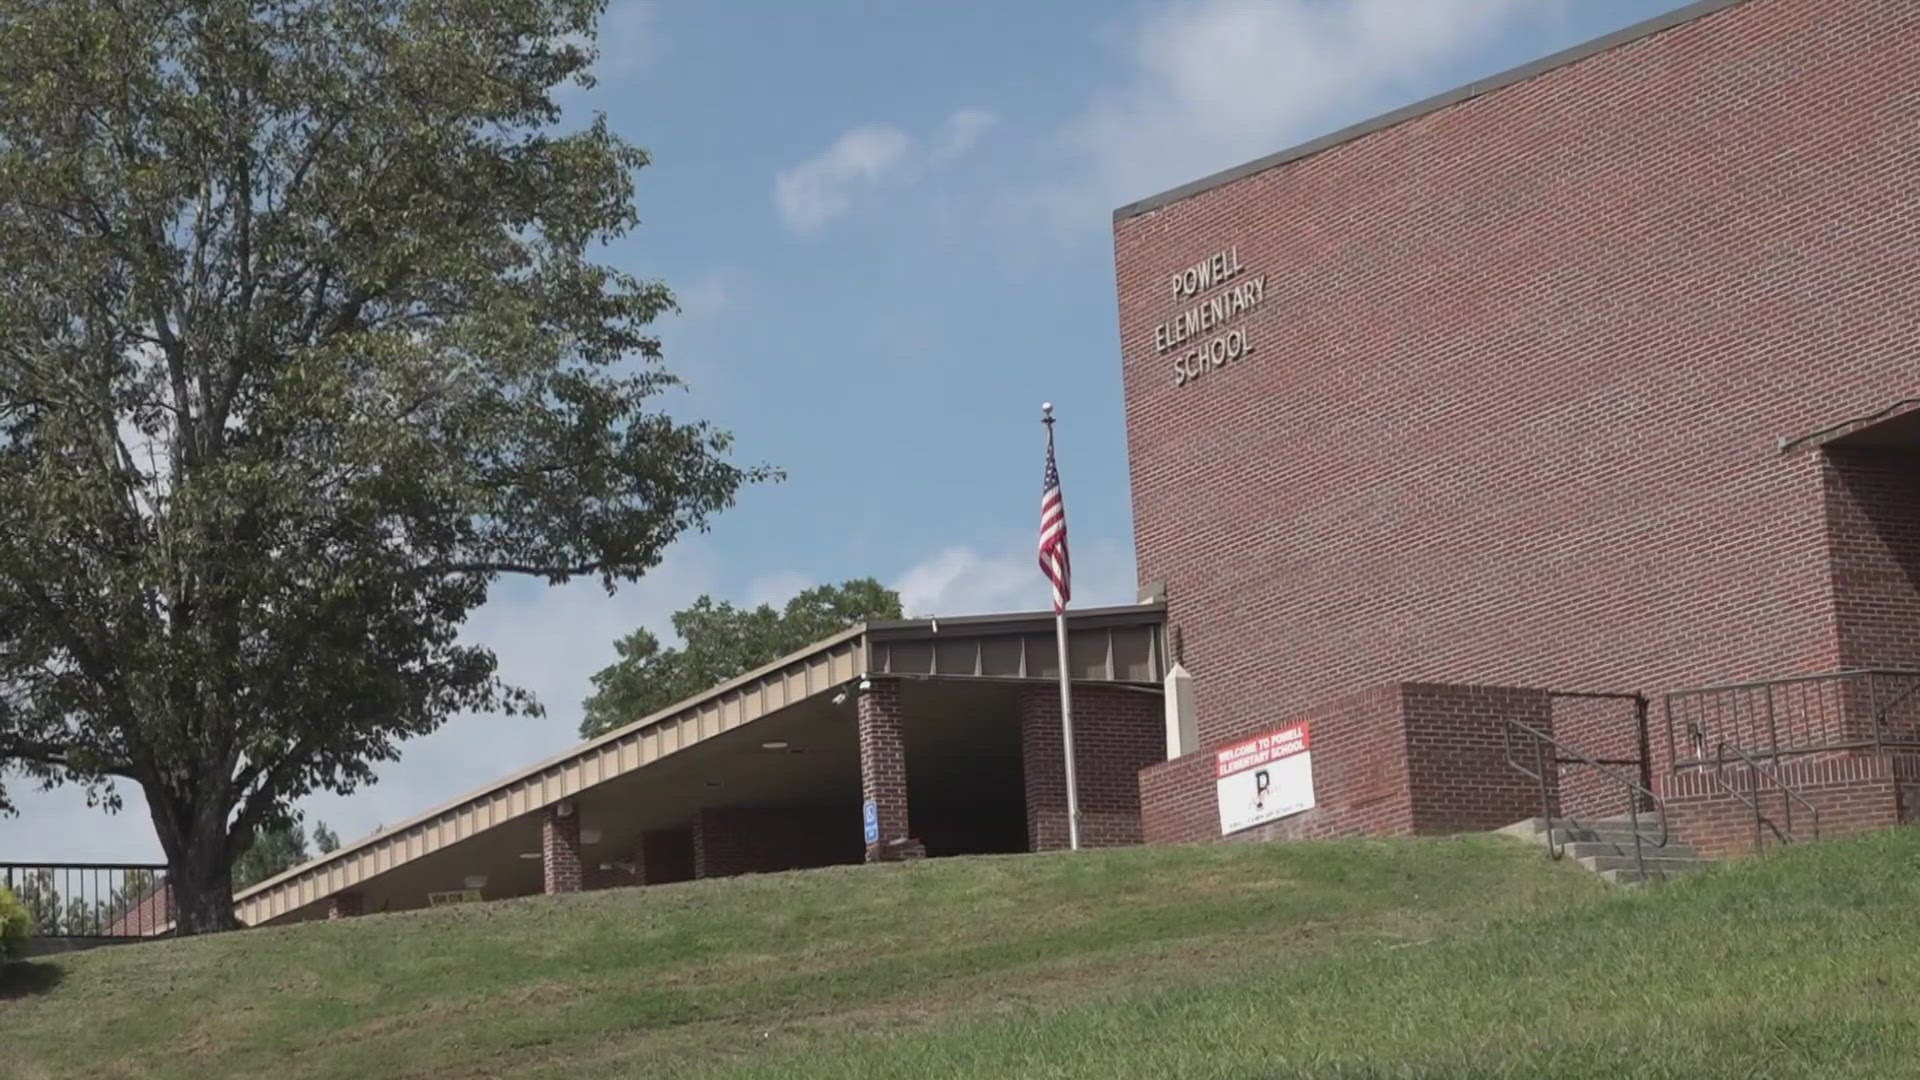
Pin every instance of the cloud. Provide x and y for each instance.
(822, 188)
(551, 641)
(548, 640)
(777, 588)
(628, 41)
(705, 296)
(825, 186)
(1213, 83)
(960, 133)
(962, 580)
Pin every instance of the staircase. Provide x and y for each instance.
(1605, 846)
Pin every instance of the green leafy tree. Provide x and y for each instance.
(324, 841)
(16, 926)
(272, 850)
(720, 641)
(302, 348)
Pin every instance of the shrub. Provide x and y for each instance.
(16, 926)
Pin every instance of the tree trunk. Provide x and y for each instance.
(202, 895)
(199, 864)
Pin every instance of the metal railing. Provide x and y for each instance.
(1783, 830)
(1550, 757)
(95, 901)
(1857, 709)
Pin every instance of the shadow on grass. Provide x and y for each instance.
(24, 978)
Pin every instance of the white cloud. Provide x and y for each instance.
(705, 296)
(961, 132)
(962, 580)
(822, 188)
(1213, 83)
(825, 186)
(548, 640)
(777, 588)
(551, 641)
(628, 41)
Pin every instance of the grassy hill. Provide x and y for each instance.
(1469, 956)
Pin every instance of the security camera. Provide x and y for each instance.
(866, 684)
(841, 697)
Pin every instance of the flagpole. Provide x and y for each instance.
(1066, 685)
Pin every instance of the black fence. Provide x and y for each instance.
(1863, 709)
(97, 901)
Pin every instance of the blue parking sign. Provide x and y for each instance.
(871, 813)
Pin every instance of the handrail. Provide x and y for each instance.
(1783, 832)
(1818, 709)
(1635, 790)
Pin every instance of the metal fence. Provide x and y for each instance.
(111, 901)
(1861, 709)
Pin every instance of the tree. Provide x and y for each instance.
(272, 850)
(324, 842)
(720, 641)
(303, 348)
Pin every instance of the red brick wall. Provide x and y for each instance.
(560, 852)
(1854, 793)
(751, 840)
(1606, 730)
(664, 855)
(1521, 368)
(1873, 514)
(1116, 733)
(1390, 761)
(1456, 761)
(883, 761)
(1359, 779)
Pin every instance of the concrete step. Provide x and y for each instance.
(1633, 877)
(1606, 846)
(1605, 832)
(1600, 849)
(1670, 865)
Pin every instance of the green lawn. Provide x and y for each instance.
(1461, 957)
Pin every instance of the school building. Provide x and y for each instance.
(1597, 377)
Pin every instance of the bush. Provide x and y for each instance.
(16, 926)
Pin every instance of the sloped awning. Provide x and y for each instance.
(653, 764)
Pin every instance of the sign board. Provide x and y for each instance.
(1264, 778)
(1203, 332)
(453, 896)
(871, 814)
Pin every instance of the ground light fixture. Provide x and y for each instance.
(774, 744)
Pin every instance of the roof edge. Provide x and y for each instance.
(1012, 620)
(893, 628)
(1622, 36)
(577, 749)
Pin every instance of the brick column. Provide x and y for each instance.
(883, 769)
(560, 851)
(345, 905)
(1116, 733)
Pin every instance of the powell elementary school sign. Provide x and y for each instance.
(1212, 295)
(1264, 778)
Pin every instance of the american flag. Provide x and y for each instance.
(1053, 534)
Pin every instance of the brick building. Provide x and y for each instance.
(1569, 420)
(1596, 375)
(889, 741)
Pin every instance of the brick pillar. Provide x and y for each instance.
(560, 851)
(345, 905)
(1043, 752)
(883, 770)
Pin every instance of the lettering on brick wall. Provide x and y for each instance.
(1212, 294)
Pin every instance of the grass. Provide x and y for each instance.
(1458, 957)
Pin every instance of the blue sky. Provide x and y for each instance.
(889, 226)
